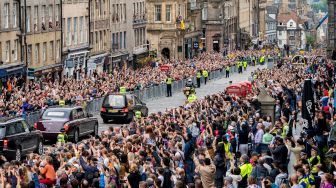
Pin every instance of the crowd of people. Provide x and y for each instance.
(219, 141)
(16, 98)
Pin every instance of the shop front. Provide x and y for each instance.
(75, 63)
(97, 63)
(51, 73)
(11, 70)
(140, 58)
(119, 60)
(191, 44)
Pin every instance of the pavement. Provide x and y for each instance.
(178, 99)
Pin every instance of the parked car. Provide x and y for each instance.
(122, 107)
(18, 138)
(74, 120)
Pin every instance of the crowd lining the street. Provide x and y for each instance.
(17, 99)
(219, 141)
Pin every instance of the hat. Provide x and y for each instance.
(229, 179)
(62, 130)
(77, 166)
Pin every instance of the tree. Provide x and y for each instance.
(311, 40)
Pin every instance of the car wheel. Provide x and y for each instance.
(76, 136)
(40, 148)
(106, 121)
(95, 130)
(18, 154)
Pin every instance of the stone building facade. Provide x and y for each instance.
(11, 62)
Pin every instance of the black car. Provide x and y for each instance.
(75, 120)
(18, 138)
(122, 107)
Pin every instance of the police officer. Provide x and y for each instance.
(191, 98)
(169, 82)
(138, 114)
(62, 137)
(205, 75)
(241, 66)
(61, 102)
(122, 90)
(254, 60)
(198, 78)
(245, 64)
(227, 71)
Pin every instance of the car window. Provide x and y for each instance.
(10, 129)
(115, 101)
(25, 126)
(80, 113)
(2, 131)
(19, 127)
(55, 114)
(74, 114)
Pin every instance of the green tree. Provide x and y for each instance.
(311, 40)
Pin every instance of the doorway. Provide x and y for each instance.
(165, 53)
(215, 45)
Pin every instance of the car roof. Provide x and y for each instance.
(119, 94)
(5, 120)
(64, 107)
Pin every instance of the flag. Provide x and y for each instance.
(308, 104)
(182, 25)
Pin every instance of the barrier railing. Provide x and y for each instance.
(146, 94)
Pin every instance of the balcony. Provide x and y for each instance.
(139, 19)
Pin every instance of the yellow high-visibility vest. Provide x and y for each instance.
(245, 169)
(205, 74)
(122, 90)
(227, 68)
(138, 114)
(198, 75)
(61, 102)
(245, 64)
(61, 138)
(227, 150)
(169, 81)
(192, 98)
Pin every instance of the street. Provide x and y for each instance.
(213, 86)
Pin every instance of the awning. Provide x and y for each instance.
(118, 57)
(11, 70)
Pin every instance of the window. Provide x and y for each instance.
(205, 12)
(280, 42)
(75, 30)
(80, 113)
(117, 44)
(134, 12)
(290, 24)
(291, 33)
(121, 13)
(44, 52)
(291, 42)
(125, 39)
(7, 51)
(51, 50)
(6, 15)
(121, 43)
(29, 56)
(280, 33)
(125, 13)
(168, 13)
(16, 42)
(58, 49)
(86, 29)
(43, 11)
(37, 53)
(57, 12)
(81, 29)
(157, 13)
(15, 7)
(68, 37)
(50, 15)
(28, 21)
(35, 18)
(113, 42)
